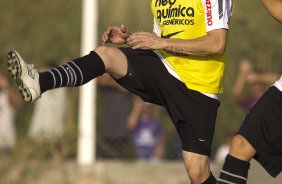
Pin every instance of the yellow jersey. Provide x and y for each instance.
(189, 19)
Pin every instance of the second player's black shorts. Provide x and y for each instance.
(192, 113)
(262, 127)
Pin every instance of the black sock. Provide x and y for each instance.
(72, 73)
(211, 180)
(234, 171)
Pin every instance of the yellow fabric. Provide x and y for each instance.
(200, 73)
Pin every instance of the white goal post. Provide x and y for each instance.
(86, 150)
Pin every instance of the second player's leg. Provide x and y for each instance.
(241, 148)
(236, 165)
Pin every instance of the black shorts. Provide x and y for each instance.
(262, 127)
(192, 113)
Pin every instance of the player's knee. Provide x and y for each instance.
(241, 148)
(239, 142)
(114, 60)
(197, 173)
(103, 49)
(197, 166)
(104, 53)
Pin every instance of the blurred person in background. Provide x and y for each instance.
(115, 106)
(223, 149)
(180, 66)
(147, 131)
(251, 84)
(49, 115)
(260, 135)
(8, 102)
(175, 144)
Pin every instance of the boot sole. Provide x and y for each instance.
(15, 70)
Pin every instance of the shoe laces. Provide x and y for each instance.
(31, 70)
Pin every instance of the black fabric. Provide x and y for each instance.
(46, 81)
(72, 73)
(91, 65)
(234, 171)
(211, 180)
(192, 113)
(262, 127)
(236, 166)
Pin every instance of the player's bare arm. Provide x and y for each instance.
(115, 35)
(274, 7)
(213, 43)
(145, 40)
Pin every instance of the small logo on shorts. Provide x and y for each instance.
(201, 140)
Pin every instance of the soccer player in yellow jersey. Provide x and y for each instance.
(180, 66)
(260, 136)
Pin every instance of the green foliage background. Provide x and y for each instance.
(49, 30)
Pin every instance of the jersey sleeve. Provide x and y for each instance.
(157, 28)
(217, 14)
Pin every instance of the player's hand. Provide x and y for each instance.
(145, 40)
(245, 66)
(252, 77)
(115, 35)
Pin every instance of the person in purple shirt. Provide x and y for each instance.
(147, 131)
(256, 81)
